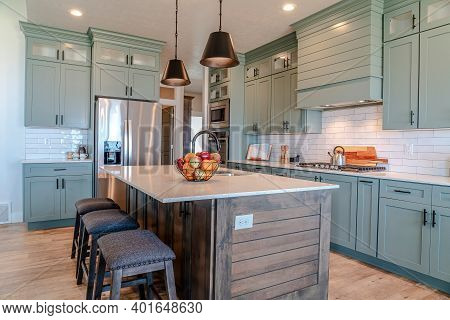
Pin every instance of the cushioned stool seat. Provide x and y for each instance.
(131, 253)
(108, 221)
(95, 225)
(84, 206)
(133, 248)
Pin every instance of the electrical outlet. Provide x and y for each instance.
(243, 222)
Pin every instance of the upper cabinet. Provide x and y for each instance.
(58, 77)
(125, 66)
(402, 22)
(258, 69)
(435, 13)
(416, 64)
(284, 61)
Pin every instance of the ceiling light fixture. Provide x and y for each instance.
(289, 7)
(76, 12)
(219, 51)
(175, 74)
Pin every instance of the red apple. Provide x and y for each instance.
(180, 163)
(205, 155)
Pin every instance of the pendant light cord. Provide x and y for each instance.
(220, 16)
(176, 29)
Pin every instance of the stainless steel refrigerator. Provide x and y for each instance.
(127, 133)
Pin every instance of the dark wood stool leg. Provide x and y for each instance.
(149, 284)
(101, 267)
(142, 291)
(91, 270)
(170, 280)
(76, 233)
(116, 277)
(81, 255)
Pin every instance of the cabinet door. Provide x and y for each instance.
(305, 175)
(367, 216)
(41, 199)
(403, 238)
(46, 50)
(440, 244)
(146, 60)
(75, 96)
(74, 188)
(436, 13)
(144, 85)
(250, 105)
(111, 81)
(263, 102)
(402, 22)
(214, 93)
(76, 54)
(281, 99)
(42, 93)
(343, 210)
(280, 62)
(224, 91)
(264, 68)
(111, 54)
(434, 93)
(251, 72)
(401, 83)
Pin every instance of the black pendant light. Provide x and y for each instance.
(175, 74)
(219, 51)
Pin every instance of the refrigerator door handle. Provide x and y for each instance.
(130, 143)
(125, 153)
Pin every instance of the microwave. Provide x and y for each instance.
(219, 114)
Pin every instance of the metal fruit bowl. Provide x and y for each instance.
(198, 174)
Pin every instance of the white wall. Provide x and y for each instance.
(363, 126)
(12, 87)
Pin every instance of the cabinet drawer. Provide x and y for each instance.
(260, 169)
(57, 169)
(411, 192)
(441, 196)
(305, 175)
(280, 172)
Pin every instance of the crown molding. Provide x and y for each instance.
(50, 33)
(96, 34)
(287, 42)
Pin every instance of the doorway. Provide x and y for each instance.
(167, 135)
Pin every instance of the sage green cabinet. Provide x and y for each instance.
(401, 83)
(73, 188)
(77, 54)
(434, 94)
(111, 81)
(343, 209)
(74, 96)
(144, 60)
(258, 69)
(281, 102)
(42, 93)
(144, 85)
(257, 104)
(402, 22)
(305, 175)
(111, 54)
(440, 244)
(284, 61)
(43, 49)
(41, 199)
(367, 216)
(404, 234)
(436, 13)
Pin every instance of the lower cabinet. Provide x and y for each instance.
(404, 234)
(42, 201)
(440, 244)
(305, 175)
(74, 188)
(343, 209)
(367, 216)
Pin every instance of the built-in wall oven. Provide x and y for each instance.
(223, 136)
(219, 115)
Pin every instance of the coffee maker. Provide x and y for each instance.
(112, 153)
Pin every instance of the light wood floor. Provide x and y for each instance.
(36, 265)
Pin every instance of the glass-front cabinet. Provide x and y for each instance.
(402, 22)
(436, 13)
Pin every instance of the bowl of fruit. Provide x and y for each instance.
(200, 166)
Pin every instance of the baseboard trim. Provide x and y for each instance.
(51, 224)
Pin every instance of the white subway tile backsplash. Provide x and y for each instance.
(52, 143)
(363, 126)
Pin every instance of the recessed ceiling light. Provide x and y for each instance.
(76, 13)
(289, 7)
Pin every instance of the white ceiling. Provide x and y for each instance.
(251, 23)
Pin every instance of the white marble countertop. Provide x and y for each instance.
(387, 175)
(56, 161)
(166, 184)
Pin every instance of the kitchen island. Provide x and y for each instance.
(238, 236)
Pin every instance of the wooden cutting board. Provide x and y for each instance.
(363, 156)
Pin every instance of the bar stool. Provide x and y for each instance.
(131, 253)
(84, 206)
(95, 225)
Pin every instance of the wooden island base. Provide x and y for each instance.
(285, 255)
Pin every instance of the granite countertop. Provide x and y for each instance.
(56, 161)
(386, 175)
(166, 184)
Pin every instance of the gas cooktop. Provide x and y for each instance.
(352, 168)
